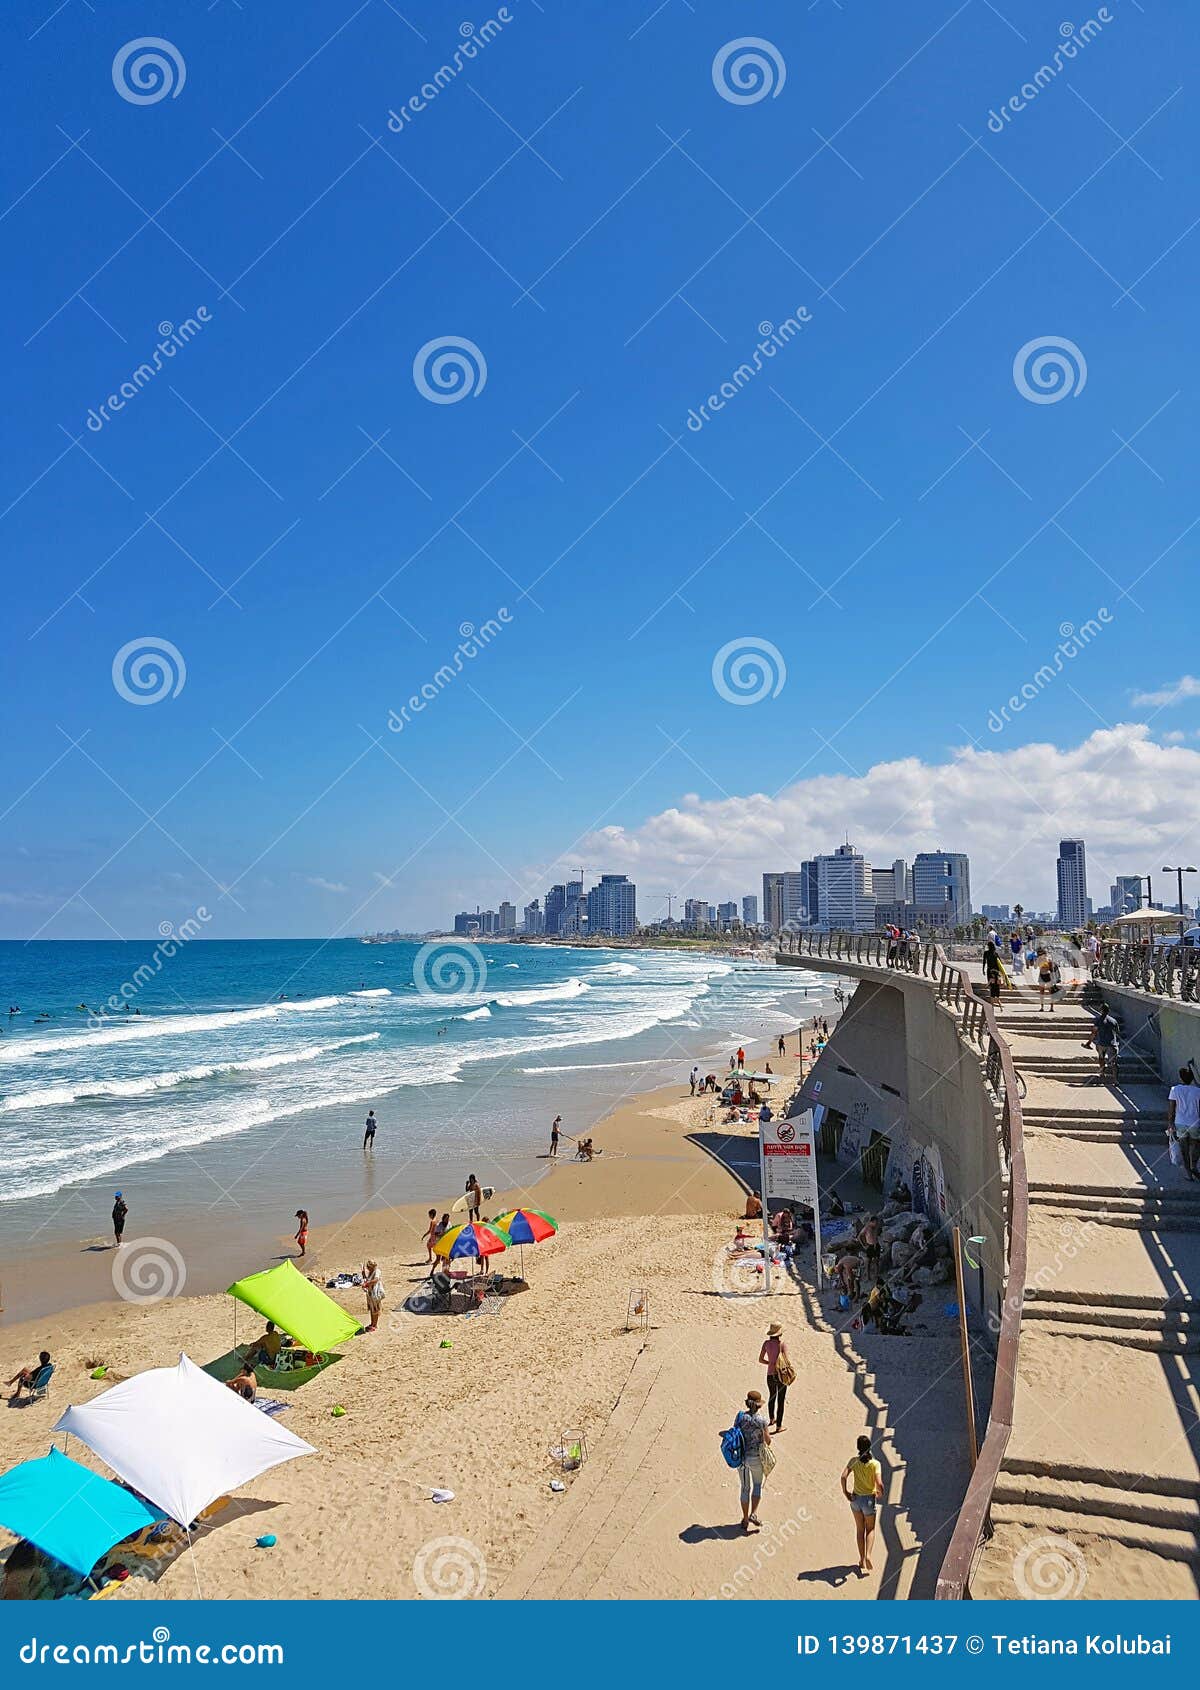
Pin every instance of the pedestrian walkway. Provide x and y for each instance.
(1099, 1491)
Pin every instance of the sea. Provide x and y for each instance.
(234, 1076)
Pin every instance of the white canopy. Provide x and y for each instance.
(1146, 916)
(181, 1438)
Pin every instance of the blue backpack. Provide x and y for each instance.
(733, 1447)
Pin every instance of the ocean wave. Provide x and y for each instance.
(623, 969)
(573, 988)
(375, 992)
(483, 1013)
(586, 1067)
(132, 1030)
(145, 1084)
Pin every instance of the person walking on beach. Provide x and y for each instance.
(302, 1230)
(369, 1134)
(372, 1284)
(780, 1373)
(431, 1236)
(751, 1422)
(119, 1211)
(1183, 1118)
(865, 1475)
(741, 1058)
(474, 1198)
(554, 1126)
(782, 1046)
(695, 1077)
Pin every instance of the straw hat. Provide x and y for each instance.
(755, 1397)
(774, 1330)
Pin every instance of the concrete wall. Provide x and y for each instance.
(1165, 1032)
(945, 1122)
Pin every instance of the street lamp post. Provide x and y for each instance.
(1179, 874)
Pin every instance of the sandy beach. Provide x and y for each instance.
(653, 1509)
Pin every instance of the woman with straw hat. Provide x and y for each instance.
(751, 1422)
(780, 1372)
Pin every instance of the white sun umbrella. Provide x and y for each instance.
(180, 1437)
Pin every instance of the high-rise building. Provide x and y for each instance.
(727, 913)
(556, 903)
(845, 902)
(750, 911)
(506, 918)
(942, 880)
(612, 906)
(488, 921)
(1072, 884)
(783, 900)
(1126, 894)
(995, 912)
(535, 921)
(892, 885)
(466, 922)
(697, 912)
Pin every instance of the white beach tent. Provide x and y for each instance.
(180, 1437)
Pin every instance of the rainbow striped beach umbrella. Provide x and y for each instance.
(527, 1226)
(475, 1238)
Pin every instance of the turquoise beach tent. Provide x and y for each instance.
(70, 1513)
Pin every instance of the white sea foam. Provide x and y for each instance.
(375, 992)
(483, 1013)
(133, 1029)
(572, 988)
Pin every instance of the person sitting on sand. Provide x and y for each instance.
(753, 1207)
(23, 1381)
(265, 1350)
(245, 1383)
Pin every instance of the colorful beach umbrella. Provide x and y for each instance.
(476, 1238)
(527, 1226)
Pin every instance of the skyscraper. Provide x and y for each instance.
(1072, 884)
(845, 901)
(697, 912)
(750, 911)
(941, 880)
(727, 913)
(535, 922)
(507, 914)
(612, 906)
(556, 903)
(783, 900)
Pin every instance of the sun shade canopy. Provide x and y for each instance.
(71, 1514)
(297, 1306)
(180, 1438)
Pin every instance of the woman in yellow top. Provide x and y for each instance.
(867, 1478)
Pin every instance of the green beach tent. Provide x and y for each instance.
(297, 1306)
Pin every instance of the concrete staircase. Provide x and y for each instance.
(1101, 1481)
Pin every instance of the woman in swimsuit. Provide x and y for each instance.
(302, 1230)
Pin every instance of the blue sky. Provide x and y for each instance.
(584, 207)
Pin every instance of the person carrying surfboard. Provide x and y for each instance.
(474, 1196)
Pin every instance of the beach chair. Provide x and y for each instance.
(39, 1385)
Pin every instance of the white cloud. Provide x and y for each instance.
(1129, 797)
(1174, 692)
(323, 885)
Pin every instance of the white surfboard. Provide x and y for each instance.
(461, 1205)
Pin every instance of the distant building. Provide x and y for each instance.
(556, 903)
(507, 922)
(995, 912)
(466, 922)
(1072, 884)
(783, 900)
(1125, 894)
(750, 912)
(727, 913)
(489, 922)
(892, 885)
(612, 907)
(535, 921)
(941, 881)
(697, 912)
(845, 901)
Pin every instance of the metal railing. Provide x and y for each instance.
(977, 1026)
(1169, 971)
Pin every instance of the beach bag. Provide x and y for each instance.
(767, 1456)
(785, 1372)
(733, 1447)
(1175, 1151)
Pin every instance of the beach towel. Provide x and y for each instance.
(268, 1405)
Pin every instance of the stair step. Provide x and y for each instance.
(1109, 1478)
(1168, 1341)
(1082, 1529)
(1140, 1505)
(1160, 1221)
(1106, 1195)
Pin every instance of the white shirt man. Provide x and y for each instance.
(1183, 1118)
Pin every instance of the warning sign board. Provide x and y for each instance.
(788, 1159)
